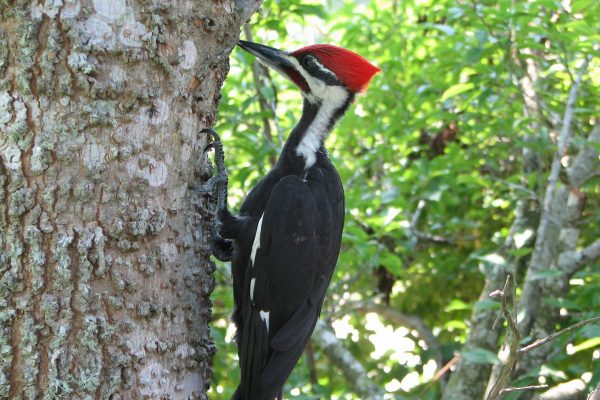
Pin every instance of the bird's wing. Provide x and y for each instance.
(283, 290)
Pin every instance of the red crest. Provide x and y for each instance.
(351, 69)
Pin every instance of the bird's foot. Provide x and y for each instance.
(221, 248)
(210, 185)
(219, 180)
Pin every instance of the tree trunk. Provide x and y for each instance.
(104, 269)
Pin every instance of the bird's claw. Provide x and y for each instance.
(220, 248)
(219, 180)
(210, 185)
(216, 139)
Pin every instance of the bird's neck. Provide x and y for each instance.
(318, 119)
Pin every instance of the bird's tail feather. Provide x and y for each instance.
(254, 352)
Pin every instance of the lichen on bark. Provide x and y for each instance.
(104, 270)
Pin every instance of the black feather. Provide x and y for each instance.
(302, 213)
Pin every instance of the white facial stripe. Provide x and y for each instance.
(332, 98)
(316, 86)
(325, 70)
(316, 132)
(256, 244)
(252, 283)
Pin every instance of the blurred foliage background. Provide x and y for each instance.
(434, 159)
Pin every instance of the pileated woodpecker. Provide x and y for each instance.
(285, 241)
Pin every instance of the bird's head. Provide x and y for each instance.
(321, 71)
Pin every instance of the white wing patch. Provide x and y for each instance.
(252, 283)
(256, 244)
(264, 315)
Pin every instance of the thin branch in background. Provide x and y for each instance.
(391, 315)
(310, 362)
(541, 342)
(446, 367)
(424, 235)
(496, 294)
(513, 348)
(575, 260)
(354, 372)
(565, 135)
(515, 389)
(501, 385)
(595, 395)
(260, 75)
(586, 165)
(522, 188)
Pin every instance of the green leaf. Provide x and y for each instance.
(587, 344)
(391, 262)
(455, 325)
(457, 89)
(545, 274)
(448, 30)
(563, 303)
(584, 6)
(487, 305)
(480, 356)
(456, 305)
(492, 258)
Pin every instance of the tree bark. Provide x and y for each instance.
(469, 379)
(104, 270)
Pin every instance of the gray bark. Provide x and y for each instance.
(559, 253)
(104, 270)
(469, 380)
(571, 390)
(555, 249)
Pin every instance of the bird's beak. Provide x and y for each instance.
(274, 58)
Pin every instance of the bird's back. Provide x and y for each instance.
(301, 212)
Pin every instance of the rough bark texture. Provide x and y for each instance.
(104, 271)
(559, 253)
(556, 241)
(469, 379)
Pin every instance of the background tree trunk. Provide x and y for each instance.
(104, 270)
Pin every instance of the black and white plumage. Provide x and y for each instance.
(285, 241)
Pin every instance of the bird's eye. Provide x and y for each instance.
(309, 62)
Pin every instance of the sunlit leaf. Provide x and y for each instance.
(456, 90)
(457, 304)
(587, 344)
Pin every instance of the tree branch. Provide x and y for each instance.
(571, 390)
(585, 165)
(516, 389)
(350, 367)
(552, 218)
(565, 135)
(414, 231)
(553, 336)
(509, 366)
(399, 319)
(259, 75)
(310, 361)
(572, 261)
(500, 386)
(595, 395)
